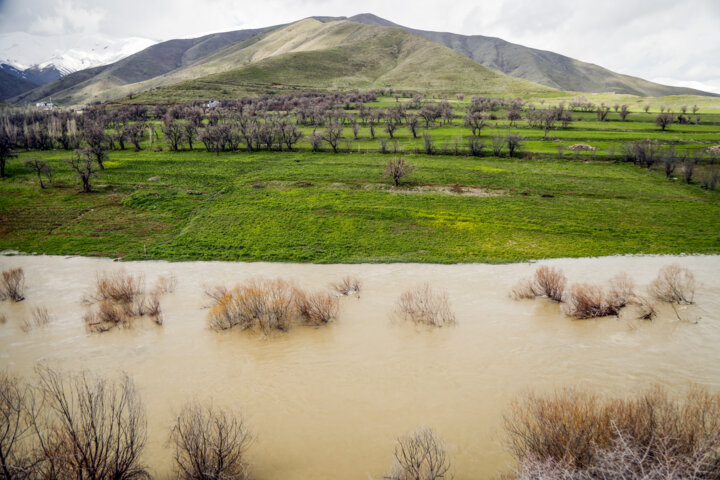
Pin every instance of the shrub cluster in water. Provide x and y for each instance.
(269, 305)
(119, 298)
(674, 284)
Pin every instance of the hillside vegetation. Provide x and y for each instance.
(336, 56)
(539, 66)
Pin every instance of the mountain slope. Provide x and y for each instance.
(12, 84)
(147, 64)
(338, 55)
(540, 66)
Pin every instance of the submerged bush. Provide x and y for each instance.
(587, 301)
(209, 444)
(420, 456)
(316, 308)
(12, 285)
(547, 282)
(422, 305)
(40, 316)
(119, 298)
(269, 305)
(674, 284)
(579, 435)
(347, 286)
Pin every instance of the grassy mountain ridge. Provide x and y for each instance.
(336, 55)
(540, 66)
(250, 61)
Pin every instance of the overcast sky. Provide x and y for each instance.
(671, 41)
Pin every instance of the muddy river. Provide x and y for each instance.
(329, 402)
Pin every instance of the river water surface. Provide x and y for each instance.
(329, 402)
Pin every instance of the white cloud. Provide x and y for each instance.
(68, 18)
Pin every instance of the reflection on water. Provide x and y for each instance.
(329, 402)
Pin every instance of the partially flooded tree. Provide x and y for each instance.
(397, 168)
(93, 428)
(40, 168)
(82, 164)
(209, 444)
(420, 456)
(18, 459)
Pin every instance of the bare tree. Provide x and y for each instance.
(95, 429)
(209, 444)
(18, 459)
(94, 135)
(475, 121)
(602, 112)
(173, 132)
(190, 133)
(333, 134)
(498, 144)
(398, 168)
(664, 119)
(412, 124)
(514, 142)
(6, 150)
(420, 456)
(391, 125)
(81, 162)
(624, 112)
(40, 168)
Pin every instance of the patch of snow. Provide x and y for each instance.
(67, 53)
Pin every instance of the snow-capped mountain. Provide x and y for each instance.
(66, 53)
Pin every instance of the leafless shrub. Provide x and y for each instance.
(3, 318)
(119, 287)
(523, 290)
(579, 435)
(39, 317)
(268, 304)
(622, 290)
(165, 284)
(91, 427)
(420, 456)
(646, 310)
(12, 285)
(674, 284)
(120, 298)
(153, 310)
(316, 308)
(209, 444)
(584, 300)
(423, 305)
(549, 282)
(347, 286)
(215, 292)
(588, 301)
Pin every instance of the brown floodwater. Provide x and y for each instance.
(329, 402)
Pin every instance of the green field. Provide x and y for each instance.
(309, 206)
(320, 207)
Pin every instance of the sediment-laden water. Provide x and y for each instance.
(329, 402)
